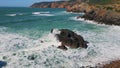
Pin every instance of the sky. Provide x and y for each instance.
(19, 3)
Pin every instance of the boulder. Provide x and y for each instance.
(2, 64)
(70, 39)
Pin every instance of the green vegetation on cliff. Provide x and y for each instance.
(104, 1)
(98, 1)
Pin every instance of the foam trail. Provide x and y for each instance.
(82, 19)
(35, 13)
(11, 15)
(87, 21)
(42, 14)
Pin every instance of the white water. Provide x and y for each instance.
(14, 14)
(42, 14)
(103, 48)
(82, 19)
(11, 14)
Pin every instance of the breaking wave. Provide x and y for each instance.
(82, 19)
(11, 14)
(14, 14)
(17, 50)
(42, 14)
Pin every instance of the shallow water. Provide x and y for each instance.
(23, 29)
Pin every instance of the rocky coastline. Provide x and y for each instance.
(103, 14)
(108, 14)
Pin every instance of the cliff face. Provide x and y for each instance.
(102, 16)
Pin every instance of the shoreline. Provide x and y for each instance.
(102, 14)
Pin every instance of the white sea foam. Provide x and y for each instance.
(42, 14)
(66, 13)
(15, 14)
(82, 19)
(15, 42)
(88, 21)
(11, 14)
(62, 13)
(103, 47)
(35, 12)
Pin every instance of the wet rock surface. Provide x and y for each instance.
(2, 64)
(70, 39)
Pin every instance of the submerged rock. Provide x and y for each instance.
(2, 64)
(70, 39)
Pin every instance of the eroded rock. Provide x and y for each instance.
(70, 39)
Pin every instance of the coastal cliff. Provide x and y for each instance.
(102, 16)
(103, 12)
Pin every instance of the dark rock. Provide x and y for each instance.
(2, 64)
(70, 39)
(102, 16)
(32, 57)
(42, 41)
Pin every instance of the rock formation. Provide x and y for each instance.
(70, 39)
(102, 16)
(113, 64)
(2, 64)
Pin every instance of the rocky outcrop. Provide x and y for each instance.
(70, 39)
(2, 64)
(113, 64)
(103, 16)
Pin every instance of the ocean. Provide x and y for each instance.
(22, 30)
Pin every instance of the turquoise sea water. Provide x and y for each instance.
(23, 29)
